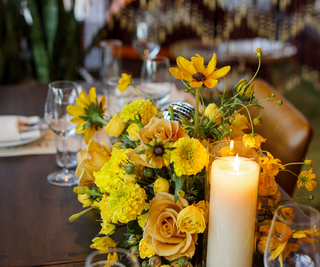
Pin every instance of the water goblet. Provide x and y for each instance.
(293, 243)
(60, 95)
(119, 257)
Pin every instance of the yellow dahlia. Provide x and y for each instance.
(112, 173)
(189, 157)
(88, 114)
(196, 73)
(140, 110)
(123, 205)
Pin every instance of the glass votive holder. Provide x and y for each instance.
(232, 182)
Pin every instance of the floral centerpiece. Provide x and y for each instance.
(151, 180)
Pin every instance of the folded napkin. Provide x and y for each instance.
(11, 128)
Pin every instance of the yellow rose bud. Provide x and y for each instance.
(116, 126)
(146, 250)
(191, 220)
(132, 130)
(108, 228)
(103, 243)
(211, 111)
(116, 146)
(181, 193)
(259, 53)
(257, 121)
(161, 185)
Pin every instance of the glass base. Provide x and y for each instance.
(60, 178)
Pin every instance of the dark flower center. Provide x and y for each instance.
(158, 150)
(198, 76)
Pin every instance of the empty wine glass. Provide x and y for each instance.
(115, 257)
(60, 95)
(155, 78)
(145, 39)
(293, 242)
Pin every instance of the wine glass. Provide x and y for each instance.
(155, 78)
(99, 258)
(145, 39)
(284, 236)
(60, 95)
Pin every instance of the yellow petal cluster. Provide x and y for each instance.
(191, 220)
(146, 250)
(132, 130)
(124, 82)
(124, 204)
(91, 160)
(189, 157)
(142, 110)
(196, 73)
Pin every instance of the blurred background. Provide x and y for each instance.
(46, 40)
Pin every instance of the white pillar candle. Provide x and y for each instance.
(233, 208)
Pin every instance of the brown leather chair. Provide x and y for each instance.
(287, 131)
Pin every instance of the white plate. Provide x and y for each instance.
(25, 141)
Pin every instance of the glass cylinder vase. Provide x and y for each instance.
(232, 182)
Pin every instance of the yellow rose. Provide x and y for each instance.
(115, 126)
(132, 130)
(191, 220)
(161, 185)
(91, 160)
(116, 146)
(146, 250)
(156, 128)
(261, 246)
(162, 231)
(103, 243)
(212, 110)
(204, 206)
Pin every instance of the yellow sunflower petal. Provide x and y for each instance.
(81, 103)
(198, 63)
(92, 95)
(176, 73)
(277, 251)
(186, 66)
(299, 234)
(76, 120)
(79, 128)
(211, 66)
(84, 98)
(283, 229)
(196, 84)
(88, 134)
(186, 77)
(75, 111)
(310, 185)
(220, 73)
(310, 240)
(210, 83)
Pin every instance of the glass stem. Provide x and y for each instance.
(65, 153)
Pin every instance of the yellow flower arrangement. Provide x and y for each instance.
(152, 178)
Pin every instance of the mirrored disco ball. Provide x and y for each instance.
(179, 108)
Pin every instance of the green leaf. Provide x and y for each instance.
(134, 228)
(141, 152)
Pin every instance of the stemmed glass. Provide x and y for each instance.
(119, 257)
(145, 39)
(60, 95)
(155, 78)
(290, 241)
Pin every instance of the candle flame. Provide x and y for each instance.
(236, 164)
(231, 145)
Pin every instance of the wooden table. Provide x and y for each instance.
(34, 226)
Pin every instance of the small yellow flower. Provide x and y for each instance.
(116, 126)
(257, 121)
(86, 201)
(103, 243)
(212, 111)
(124, 82)
(259, 53)
(308, 162)
(146, 250)
(191, 220)
(189, 157)
(196, 73)
(287, 213)
(132, 130)
(108, 228)
(161, 185)
(307, 179)
(261, 246)
(270, 164)
(112, 257)
(253, 140)
(88, 114)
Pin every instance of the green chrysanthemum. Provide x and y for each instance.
(189, 157)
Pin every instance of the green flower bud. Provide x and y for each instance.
(155, 261)
(74, 217)
(130, 168)
(135, 251)
(148, 173)
(308, 162)
(272, 95)
(310, 197)
(280, 102)
(145, 264)
(257, 121)
(259, 52)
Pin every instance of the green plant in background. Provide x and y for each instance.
(52, 35)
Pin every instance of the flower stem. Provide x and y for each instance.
(151, 98)
(255, 73)
(196, 119)
(129, 141)
(294, 163)
(285, 170)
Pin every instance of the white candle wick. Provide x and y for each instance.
(236, 164)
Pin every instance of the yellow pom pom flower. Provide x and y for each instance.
(123, 205)
(88, 114)
(141, 110)
(189, 157)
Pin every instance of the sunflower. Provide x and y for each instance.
(88, 114)
(196, 73)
